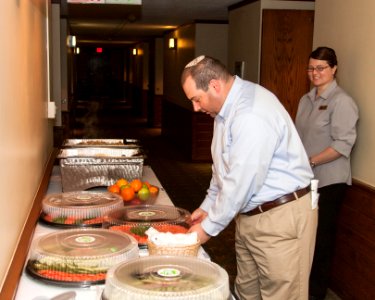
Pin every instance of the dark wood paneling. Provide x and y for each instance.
(287, 37)
(190, 131)
(353, 270)
(202, 137)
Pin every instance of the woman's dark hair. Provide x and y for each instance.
(325, 53)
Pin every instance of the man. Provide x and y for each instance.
(260, 177)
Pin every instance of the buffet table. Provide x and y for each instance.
(33, 289)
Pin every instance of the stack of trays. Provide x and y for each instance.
(135, 220)
(86, 164)
(78, 209)
(167, 277)
(79, 257)
(101, 143)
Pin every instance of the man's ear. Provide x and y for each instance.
(215, 85)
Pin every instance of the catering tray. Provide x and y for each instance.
(78, 209)
(120, 143)
(79, 257)
(88, 167)
(135, 220)
(166, 277)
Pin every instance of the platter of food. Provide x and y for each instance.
(79, 257)
(135, 220)
(167, 277)
(78, 209)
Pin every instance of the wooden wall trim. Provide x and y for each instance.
(353, 269)
(16, 266)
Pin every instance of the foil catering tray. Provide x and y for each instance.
(88, 167)
(120, 143)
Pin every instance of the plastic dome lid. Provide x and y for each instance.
(78, 207)
(80, 251)
(161, 277)
(135, 220)
(148, 214)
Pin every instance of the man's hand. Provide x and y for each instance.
(202, 235)
(196, 218)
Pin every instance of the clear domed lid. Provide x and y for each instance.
(84, 244)
(79, 208)
(79, 257)
(148, 214)
(169, 277)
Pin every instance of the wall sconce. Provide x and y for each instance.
(135, 51)
(71, 41)
(76, 50)
(172, 43)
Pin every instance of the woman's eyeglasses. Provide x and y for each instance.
(317, 68)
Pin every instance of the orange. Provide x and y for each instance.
(153, 190)
(127, 193)
(121, 182)
(114, 188)
(147, 183)
(136, 184)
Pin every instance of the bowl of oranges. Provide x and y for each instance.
(135, 192)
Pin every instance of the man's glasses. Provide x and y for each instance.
(317, 68)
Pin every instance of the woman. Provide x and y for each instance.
(326, 121)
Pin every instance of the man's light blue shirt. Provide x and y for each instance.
(257, 155)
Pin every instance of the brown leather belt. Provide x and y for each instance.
(277, 202)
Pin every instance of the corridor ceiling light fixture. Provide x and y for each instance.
(135, 51)
(172, 43)
(71, 41)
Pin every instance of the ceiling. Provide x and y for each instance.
(129, 24)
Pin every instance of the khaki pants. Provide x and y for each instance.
(275, 250)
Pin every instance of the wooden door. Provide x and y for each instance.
(287, 37)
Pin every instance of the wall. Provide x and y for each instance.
(174, 62)
(212, 39)
(25, 132)
(244, 39)
(245, 33)
(348, 26)
(192, 40)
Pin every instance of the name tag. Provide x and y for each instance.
(323, 107)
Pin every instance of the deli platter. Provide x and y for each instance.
(78, 209)
(135, 220)
(79, 257)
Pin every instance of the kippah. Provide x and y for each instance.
(195, 61)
